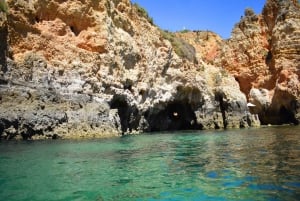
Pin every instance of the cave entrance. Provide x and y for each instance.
(123, 108)
(129, 114)
(286, 116)
(176, 115)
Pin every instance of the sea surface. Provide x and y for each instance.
(248, 164)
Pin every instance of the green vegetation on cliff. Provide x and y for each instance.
(143, 13)
(180, 46)
(3, 6)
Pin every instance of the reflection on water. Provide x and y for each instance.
(250, 164)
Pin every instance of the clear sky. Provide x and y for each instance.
(214, 15)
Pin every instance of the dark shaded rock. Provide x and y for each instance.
(280, 108)
(176, 115)
(127, 111)
(3, 43)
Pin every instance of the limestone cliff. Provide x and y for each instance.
(85, 68)
(263, 56)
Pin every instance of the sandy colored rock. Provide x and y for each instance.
(101, 68)
(262, 54)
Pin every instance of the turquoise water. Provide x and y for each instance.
(249, 164)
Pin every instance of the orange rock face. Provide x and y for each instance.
(99, 68)
(103, 67)
(262, 53)
(55, 29)
(208, 45)
(268, 57)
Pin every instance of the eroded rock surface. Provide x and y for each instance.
(263, 55)
(89, 68)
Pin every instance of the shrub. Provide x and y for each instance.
(180, 46)
(249, 12)
(185, 31)
(3, 6)
(143, 13)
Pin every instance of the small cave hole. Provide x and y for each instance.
(128, 86)
(141, 92)
(269, 57)
(75, 30)
(37, 19)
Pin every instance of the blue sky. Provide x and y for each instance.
(215, 15)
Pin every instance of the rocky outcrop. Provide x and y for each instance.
(271, 46)
(89, 68)
(208, 45)
(100, 68)
(37, 110)
(263, 56)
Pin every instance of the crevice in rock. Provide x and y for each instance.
(127, 85)
(269, 58)
(3, 44)
(176, 115)
(168, 64)
(8, 128)
(75, 30)
(223, 107)
(37, 19)
(29, 132)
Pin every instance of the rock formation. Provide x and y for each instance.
(85, 68)
(263, 56)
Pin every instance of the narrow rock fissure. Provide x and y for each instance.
(3, 48)
(223, 110)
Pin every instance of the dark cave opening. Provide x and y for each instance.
(75, 30)
(129, 114)
(37, 19)
(287, 116)
(269, 57)
(177, 115)
(281, 115)
(123, 111)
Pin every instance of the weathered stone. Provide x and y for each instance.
(85, 69)
(262, 53)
